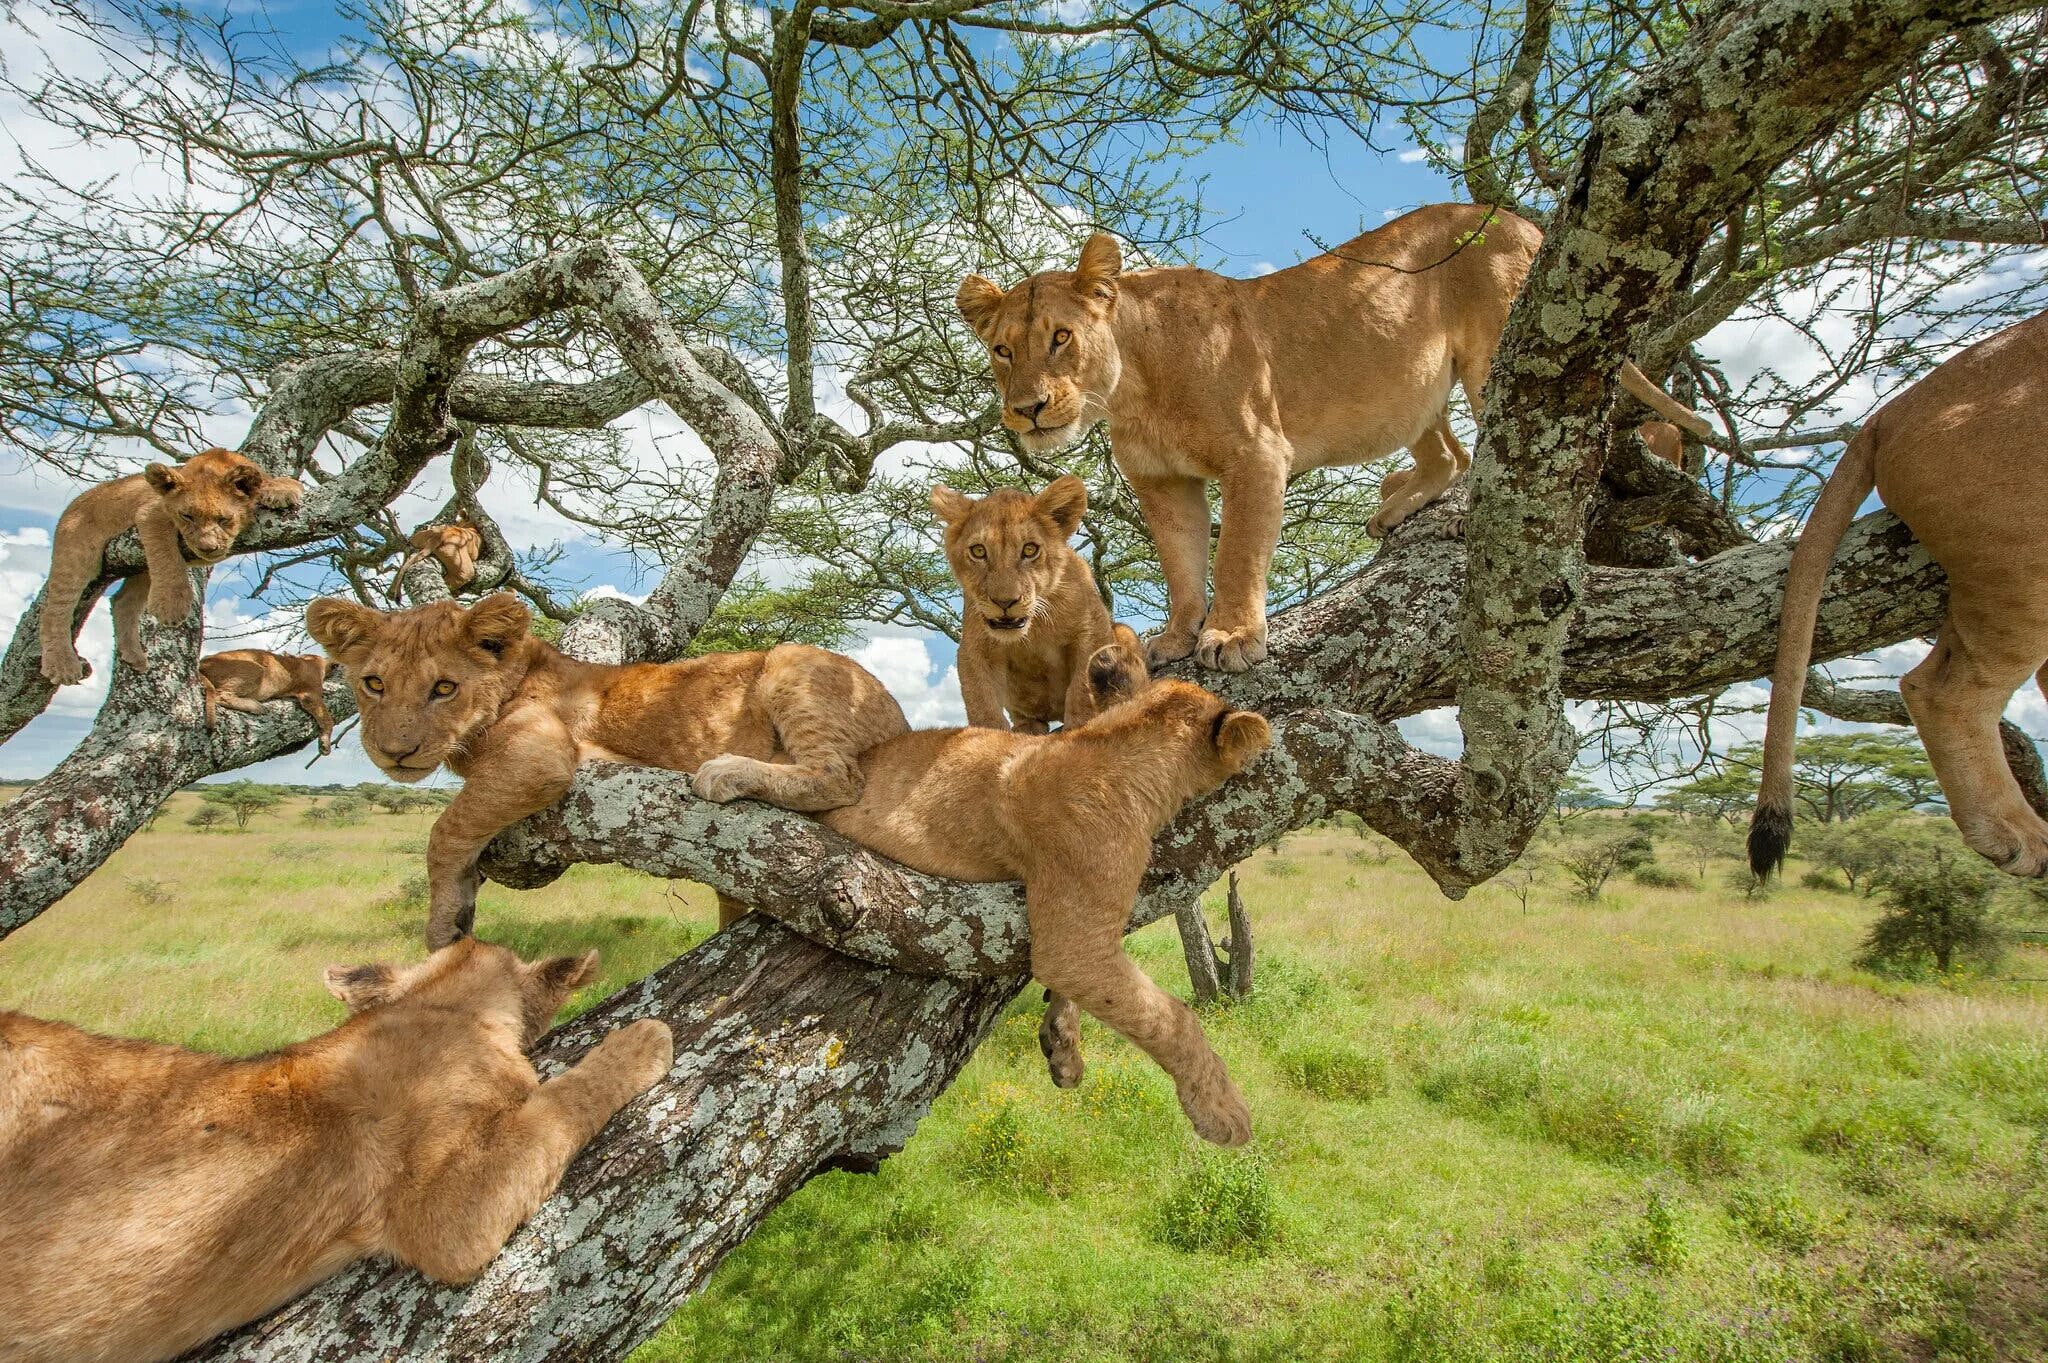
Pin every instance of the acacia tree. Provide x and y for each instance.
(481, 236)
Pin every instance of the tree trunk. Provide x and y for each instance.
(1240, 944)
(1198, 950)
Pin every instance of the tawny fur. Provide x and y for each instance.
(1073, 814)
(192, 510)
(152, 1197)
(456, 547)
(1030, 617)
(243, 678)
(1347, 358)
(514, 717)
(1959, 457)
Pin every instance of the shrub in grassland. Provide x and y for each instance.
(1776, 1215)
(1656, 877)
(149, 890)
(999, 1143)
(1704, 1136)
(1657, 1240)
(1333, 1069)
(1479, 1070)
(1222, 1204)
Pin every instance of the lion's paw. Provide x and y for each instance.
(1217, 1110)
(1059, 1037)
(172, 601)
(724, 778)
(1169, 646)
(2016, 844)
(1232, 650)
(644, 1051)
(66, 670)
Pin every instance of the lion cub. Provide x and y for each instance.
(243, 678)
(196, 508)
(1072, 815)
(514, 717)
(455, 546)
(1030, 617)
(152, 1197)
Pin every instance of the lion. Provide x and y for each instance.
(455, 546)
(197, 508)
(1957, 456)
(1030, 617)
(471, 688)
(1346, 358)
(243, 678)
(1072, 814)
(152, 1197)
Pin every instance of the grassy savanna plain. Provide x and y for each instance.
(1674, 1124)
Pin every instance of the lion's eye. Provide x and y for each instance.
(977, 551)
(374, 685)
(1003, 352)
(1061, 337)
(1031, 551)
(444, 688)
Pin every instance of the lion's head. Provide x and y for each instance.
(1051, 344)
(1211, 739)
(428, 681)
(1009, 550)
(212, 495)
(472, 977)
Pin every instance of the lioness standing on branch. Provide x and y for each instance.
(514, 717)
(152, 1197)
(1030, 618)
(1343, 359)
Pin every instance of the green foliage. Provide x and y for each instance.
(1333, 1068)
(1656, 1240)
(1938, 913)
(1596, 850)
(1222, 1204)
(1862, 850)
(207, 816)
(242, 799)
(149, 890)
(1661, 877)
(1776, 1215)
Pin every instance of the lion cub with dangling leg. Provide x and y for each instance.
(152, 1197)
(243, 678)
(1030, 618)
(514, 717)
(195, 509)
(1072, 815)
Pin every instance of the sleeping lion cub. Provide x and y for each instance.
(1030, 618)
(514, 717)
(152, 1197)
(1073, 815)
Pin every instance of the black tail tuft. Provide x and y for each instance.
(1770, 833)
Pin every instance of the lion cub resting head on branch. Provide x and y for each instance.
(152, 1197)
(1072, 815)
(196, 509)
(1030, 618)
(243, 678)
(514, 717)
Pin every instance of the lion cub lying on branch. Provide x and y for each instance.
(152, 1197)
(1072, 815)
(197, 508)
(514, 717)
(243, 678)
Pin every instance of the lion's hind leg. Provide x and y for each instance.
(826, 711)
(1439, 461)
(1956, 696)
(127, 607)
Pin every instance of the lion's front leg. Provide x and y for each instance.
(525, 765)
(1176, 513)
(1254, 491)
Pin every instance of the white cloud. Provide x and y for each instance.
(904, 664)
(1413, 155)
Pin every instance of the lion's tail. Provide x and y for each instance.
(1770, 827)
(1661, 402)
(398, 581)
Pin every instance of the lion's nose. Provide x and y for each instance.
(397, 759)
(1030, 410)
(1001, 604)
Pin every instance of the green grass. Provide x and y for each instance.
(1674, 1124)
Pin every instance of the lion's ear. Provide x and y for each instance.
(497, 622)
(247, 481)
(1240, 736)
(1063, 502)
(162, 477)
(1117, 671)
(978, 299)
(950, 506)
(361, 986)
(344, 628)
(1102, 260)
